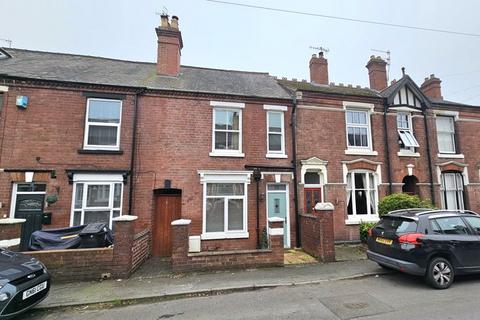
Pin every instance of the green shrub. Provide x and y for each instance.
(398, 201)
(364, 227)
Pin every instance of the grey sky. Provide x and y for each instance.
(221, 36)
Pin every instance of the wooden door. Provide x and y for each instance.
(167, 209)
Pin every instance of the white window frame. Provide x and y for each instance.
(355, 218)
(14, 196)
(406, 133)
(276, 153)
(118, 125)
(452, 133)
(356, 125)
(233, 107)
(96, 179)
(459, 190)
(207, 177)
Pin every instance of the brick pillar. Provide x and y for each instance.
(180, 234)
(275, 226)
(123, 228)
(324, 211)
(10, 232)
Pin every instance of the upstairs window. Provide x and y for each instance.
(358, 129)
(405, 131)
(227, 131)
(275, 133)
(102, 129)
(446, 134)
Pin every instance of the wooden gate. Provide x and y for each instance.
(167, 209)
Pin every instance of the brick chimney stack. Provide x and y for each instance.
(377, 73)
(319, 69)
(431, 87)
(169, 46)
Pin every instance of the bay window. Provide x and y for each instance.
(362, 197)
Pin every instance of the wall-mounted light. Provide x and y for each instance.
(22, 102)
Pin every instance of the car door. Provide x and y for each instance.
(458, 239)
(474, 222)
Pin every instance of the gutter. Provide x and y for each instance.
(429, 153)
(134, 145)
(294, 165)
(387, 149)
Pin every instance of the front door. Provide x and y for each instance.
(167, 209)
(28, 200)
(278, 207)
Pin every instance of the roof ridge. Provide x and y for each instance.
(226, 70)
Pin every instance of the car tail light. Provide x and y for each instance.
(410, 238)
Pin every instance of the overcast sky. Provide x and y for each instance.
(231, 37)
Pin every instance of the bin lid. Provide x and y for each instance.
(92, 228)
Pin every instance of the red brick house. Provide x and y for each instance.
(225, 149)
(356, 145)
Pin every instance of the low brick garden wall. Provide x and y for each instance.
(317, 232)
(127, 254)
(183, 261)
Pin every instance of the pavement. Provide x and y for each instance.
(155, 282)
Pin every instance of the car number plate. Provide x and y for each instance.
(34, 290)
(388, 242)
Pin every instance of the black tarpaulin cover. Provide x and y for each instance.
(57, 239)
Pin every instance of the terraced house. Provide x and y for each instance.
(88, 139)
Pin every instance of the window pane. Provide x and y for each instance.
(98, 195)
(351, 137)
(453, 225)
(117, 195)
(235, 214)
(220, 119)
(104, 111)
(274, 122)
(104, 136)
(225, 189)
(362, 117)
(24, 187)
(76, 218)
(233, 120)
(312, 178)
(446, 142)
(116, 213)
(445, 124)
(277, 187)
(360, 181)
(349, 117)
(232, 142)
(215, 215)
(221, 140)
(28, 202)
(275, 142)
(78, 196)
(96, 216)
(38, 187)
(363, 137)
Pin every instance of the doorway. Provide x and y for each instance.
(168, 206)
(27, 203)
(410, 185)
(277, 206)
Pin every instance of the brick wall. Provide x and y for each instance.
(183, 261)
(141, 248)
(318, 235)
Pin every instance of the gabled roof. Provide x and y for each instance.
(408, 89)
(103, 71)
(332, 89)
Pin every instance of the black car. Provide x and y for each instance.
(24, 282)
(436, 244)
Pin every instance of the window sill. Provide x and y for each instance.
(361, 152)
(97, 151)
(408, 154)
(356, 221)
(223, 235)
(226, 154)
(276, 156)
(451, 156)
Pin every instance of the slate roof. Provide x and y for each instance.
(332, 89)
(104, 71)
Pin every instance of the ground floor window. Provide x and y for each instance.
(452, 191)
(225, 206)
(361, 194)
(96, 200)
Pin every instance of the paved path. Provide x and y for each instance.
(162, 286)
(391, 296)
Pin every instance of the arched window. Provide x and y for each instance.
(312, 178)
(410, 185)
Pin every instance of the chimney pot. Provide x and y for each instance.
(164, 21)
(377, 73)
(174, 22)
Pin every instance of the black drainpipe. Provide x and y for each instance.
(429, 154)
(294, 165)
(387, 149)
(134, 144)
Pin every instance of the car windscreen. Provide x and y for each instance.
(396, 225)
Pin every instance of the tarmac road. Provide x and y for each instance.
(391, 296)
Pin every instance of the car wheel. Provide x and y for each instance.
(440, 273)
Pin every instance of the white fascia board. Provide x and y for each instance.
(274, 107)
(227, 104)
